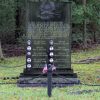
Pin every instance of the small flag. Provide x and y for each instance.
(45, 69)
(53, 68)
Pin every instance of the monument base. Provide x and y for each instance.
(60, 78)
(42, 82)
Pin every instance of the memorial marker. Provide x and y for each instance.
(48, 20)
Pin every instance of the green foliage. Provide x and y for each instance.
(7, 19)
(8, 8)
(77, 13)
(7, 15)
(89, 13)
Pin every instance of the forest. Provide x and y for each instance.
(85, 23)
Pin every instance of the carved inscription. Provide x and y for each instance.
(41, 33)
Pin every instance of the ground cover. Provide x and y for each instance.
(87, 73)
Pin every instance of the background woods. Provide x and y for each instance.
(85, 22)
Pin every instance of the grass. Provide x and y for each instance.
(87, 73)
(12, 92)
(80, 55)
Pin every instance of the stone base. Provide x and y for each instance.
(42, 82)
(34, 77)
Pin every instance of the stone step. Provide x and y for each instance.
(56, 82)
(58, 70)
(67, 75)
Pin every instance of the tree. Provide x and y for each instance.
(20, 18)
(86, 15)
(7, 20)
(84, 25)
(1, 54)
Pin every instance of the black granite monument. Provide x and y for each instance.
(48, 20)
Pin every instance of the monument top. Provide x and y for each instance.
(47, 10)
(50, 0)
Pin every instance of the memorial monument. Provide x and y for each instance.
(48, 20)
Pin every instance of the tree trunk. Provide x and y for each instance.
(1, 54)
(84, 26)
(17, 32)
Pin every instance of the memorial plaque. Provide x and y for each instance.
(49, 20)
